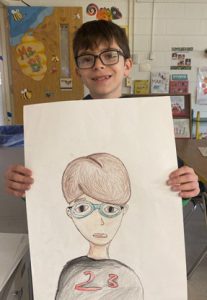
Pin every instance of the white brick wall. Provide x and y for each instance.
(176, 24)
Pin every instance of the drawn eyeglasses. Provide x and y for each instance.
(107, 57)
(84, 208)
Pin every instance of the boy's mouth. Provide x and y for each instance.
(101, 78)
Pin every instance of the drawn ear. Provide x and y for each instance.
(126, 208)
(68, 212)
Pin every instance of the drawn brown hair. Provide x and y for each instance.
(101, 176)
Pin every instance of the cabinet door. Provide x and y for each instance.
(19, 286)
(42, 64)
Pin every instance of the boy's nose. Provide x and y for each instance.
(98, 64)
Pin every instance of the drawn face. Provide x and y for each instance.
(98, 222)
(104, 81)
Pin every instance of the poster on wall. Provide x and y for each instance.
(159, 82)
(96, 180)
(182, 128)
(201, 86)
(181, 58)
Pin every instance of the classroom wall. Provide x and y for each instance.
(176, 23)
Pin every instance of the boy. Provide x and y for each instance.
(102, 59)
(97, 211)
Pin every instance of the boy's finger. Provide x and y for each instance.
(181, 171)
(15, 193)
(19, 178)
(190, 186)
(183, 179)
(18, 169)
(15, 186)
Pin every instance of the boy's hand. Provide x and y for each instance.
(185, 181)
(18, 180)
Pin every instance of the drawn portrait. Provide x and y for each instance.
(99, 213)
(97, 189)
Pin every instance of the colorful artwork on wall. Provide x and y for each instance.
(103, 13)
(181, 58)
(22, 20)
(31, 57)
(40, 46)
(17, 15)
(26, 94)
(202, 85)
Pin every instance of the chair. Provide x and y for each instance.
(197, 205)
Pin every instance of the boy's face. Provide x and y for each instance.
(98, 222)
(104, 81)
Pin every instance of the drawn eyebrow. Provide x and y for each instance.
(80, 199)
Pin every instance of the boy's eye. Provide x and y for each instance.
(85, 59)
(110, 55)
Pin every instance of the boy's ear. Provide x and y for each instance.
(128, 66)
(77, 72)
(68, 212)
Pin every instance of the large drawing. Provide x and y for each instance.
(97, 189)
(103, 224)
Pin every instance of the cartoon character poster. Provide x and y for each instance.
(181, 58)
(201, 85)
(102, 221)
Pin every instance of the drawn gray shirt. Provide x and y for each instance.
(107, 279)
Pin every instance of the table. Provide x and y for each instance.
(187, 150)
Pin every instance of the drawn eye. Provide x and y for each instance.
(81, 208)
(111, 210)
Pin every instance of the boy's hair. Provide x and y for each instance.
(92, 33)
(101, 176)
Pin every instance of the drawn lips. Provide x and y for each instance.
(100, 235)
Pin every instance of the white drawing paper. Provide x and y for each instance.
(79, 152)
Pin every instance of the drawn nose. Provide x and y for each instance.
(102, 221)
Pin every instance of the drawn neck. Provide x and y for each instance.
(98, 251)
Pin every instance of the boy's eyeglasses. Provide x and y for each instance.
(84, 208)
(107, 57)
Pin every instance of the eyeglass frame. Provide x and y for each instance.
(95, 56)
(94, 206)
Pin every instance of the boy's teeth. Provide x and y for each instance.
(101, 78)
